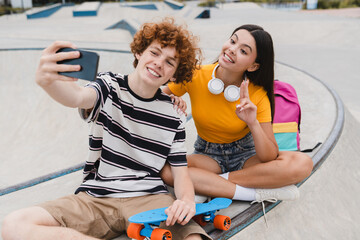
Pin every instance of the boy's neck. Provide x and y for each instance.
(140, 88)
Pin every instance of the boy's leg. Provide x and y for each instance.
(36, 223)
(190, 231)
(80, 215)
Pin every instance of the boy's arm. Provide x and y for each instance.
(62, 88)
(183, 209)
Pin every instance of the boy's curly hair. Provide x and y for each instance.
(169, 34)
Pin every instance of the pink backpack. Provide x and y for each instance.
(287, 117)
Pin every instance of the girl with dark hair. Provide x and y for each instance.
(236, 154)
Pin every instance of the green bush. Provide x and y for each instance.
(207, 3)
(325, 4)
(8, 10)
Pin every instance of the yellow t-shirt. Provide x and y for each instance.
(215, 118)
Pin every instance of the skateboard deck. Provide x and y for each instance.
(146, 224)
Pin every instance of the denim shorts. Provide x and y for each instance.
(229, 156)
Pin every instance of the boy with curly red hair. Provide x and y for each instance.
(134, 132)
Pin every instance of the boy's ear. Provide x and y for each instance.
(253, 67)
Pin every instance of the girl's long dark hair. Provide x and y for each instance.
(264, 75)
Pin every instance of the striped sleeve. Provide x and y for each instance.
(177, 154)
(102, 86)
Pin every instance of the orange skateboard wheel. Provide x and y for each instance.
(161, 234)
(133, 231)
(222, 222)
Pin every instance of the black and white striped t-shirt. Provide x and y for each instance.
(130, 140)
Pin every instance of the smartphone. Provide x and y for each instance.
(88, 61)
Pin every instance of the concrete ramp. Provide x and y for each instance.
(43, 12)
(143, 5)
(128, 24)
(40, 136)
(192, 12)
(87, 9)
(324, 210)
(174, 4)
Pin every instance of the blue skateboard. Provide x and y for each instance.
(146, 224)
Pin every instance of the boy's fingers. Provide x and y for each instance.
(67, 68)
(55, 46)
(169, 218)
(187, 216)
(60, 56)
(171, 212)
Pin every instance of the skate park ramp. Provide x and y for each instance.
(40, 137)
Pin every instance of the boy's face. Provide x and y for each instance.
(157, 65)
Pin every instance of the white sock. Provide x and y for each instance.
(225, 175)
(244, 194)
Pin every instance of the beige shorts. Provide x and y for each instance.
(107, 218)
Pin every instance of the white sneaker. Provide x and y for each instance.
(287, 193)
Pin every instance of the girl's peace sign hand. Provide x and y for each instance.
(246, 110)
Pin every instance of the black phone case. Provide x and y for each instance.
(88, 61)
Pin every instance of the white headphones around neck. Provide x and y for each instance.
(216, 86)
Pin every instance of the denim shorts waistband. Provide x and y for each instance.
(241, 141)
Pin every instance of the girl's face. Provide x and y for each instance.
(239, 53)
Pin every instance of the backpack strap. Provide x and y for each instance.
(311, 149)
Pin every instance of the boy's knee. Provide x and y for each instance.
(11, 225)
(20, 222)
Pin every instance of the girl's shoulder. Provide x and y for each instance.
(256, 92)
(207, 67)
(204, 70)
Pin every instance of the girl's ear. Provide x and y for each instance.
(137, 55)
(172, 79)
(253, 67)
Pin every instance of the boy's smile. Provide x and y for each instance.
(156, 66)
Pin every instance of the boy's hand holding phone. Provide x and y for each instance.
(62, 61)
(88, 62)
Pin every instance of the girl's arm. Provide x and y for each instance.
(264, 139)
(179, 103)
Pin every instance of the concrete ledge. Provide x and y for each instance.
(193, 12)
(127, 24)
(174, 5)
(141, 5)
(87, 9)
(43, 12)
(204, 14)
